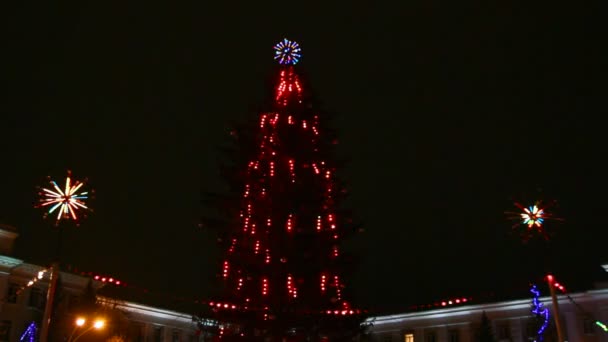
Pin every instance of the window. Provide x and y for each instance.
(504, 333)
(136, 332)
(430, 336)
(11, 296)
(408, 337)
(5, 331)
(588, 325)
(453, 336)
(175, 337)
(158, 334)
(37, 299)
(531, 329)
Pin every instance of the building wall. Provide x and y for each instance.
(16, 312)
(511, 321)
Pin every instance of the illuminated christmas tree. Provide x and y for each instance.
(283, 269)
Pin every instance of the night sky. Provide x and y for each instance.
(446, 112)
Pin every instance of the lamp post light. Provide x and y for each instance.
(80, 322)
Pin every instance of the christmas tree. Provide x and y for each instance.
(283, 270)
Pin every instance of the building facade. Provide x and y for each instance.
(510, 321)
(23, 298)
(21, 304)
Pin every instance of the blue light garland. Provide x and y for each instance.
(30, 333)
(539, 310)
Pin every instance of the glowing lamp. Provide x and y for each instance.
(99, 324)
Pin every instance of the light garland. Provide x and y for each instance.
(539, 310)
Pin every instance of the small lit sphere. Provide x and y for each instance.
(287, 52)
(80, 321)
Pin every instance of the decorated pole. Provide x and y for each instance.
(66, 203)
(558, 326)
(50, 299)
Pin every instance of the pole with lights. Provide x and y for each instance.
(65, 203)
(558, 325)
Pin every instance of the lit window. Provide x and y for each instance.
(409, 337)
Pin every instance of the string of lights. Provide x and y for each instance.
(580, 308)
(29, 335)
(33, 281)
(539, 310)
(443, 303)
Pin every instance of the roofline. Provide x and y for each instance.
(145, 309)
(468, 309)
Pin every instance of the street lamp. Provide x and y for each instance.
(98, 324)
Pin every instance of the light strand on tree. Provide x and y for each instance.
(337, 285)
(264, 286)
(323, 282)
(289, 223)
(225, 269)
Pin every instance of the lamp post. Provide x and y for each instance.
(558, 326)
(80, 322)
(65, 203)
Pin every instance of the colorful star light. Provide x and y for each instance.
(65, 202)
(533, 216)
(287, 52)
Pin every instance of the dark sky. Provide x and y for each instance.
(447, 112)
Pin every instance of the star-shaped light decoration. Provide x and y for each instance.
(64, 202)
(533, 216)
(287, 52)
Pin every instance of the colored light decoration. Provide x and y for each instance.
(29, 335)
(287, 52)
(602, 325)
(539, 310)
(285, 216)
(533, 216)
(66, 202)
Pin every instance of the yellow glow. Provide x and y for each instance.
(80, 321)
(99, 324)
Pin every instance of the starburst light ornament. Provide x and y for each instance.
(533, 216)
(64, 202)
(287, 52)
